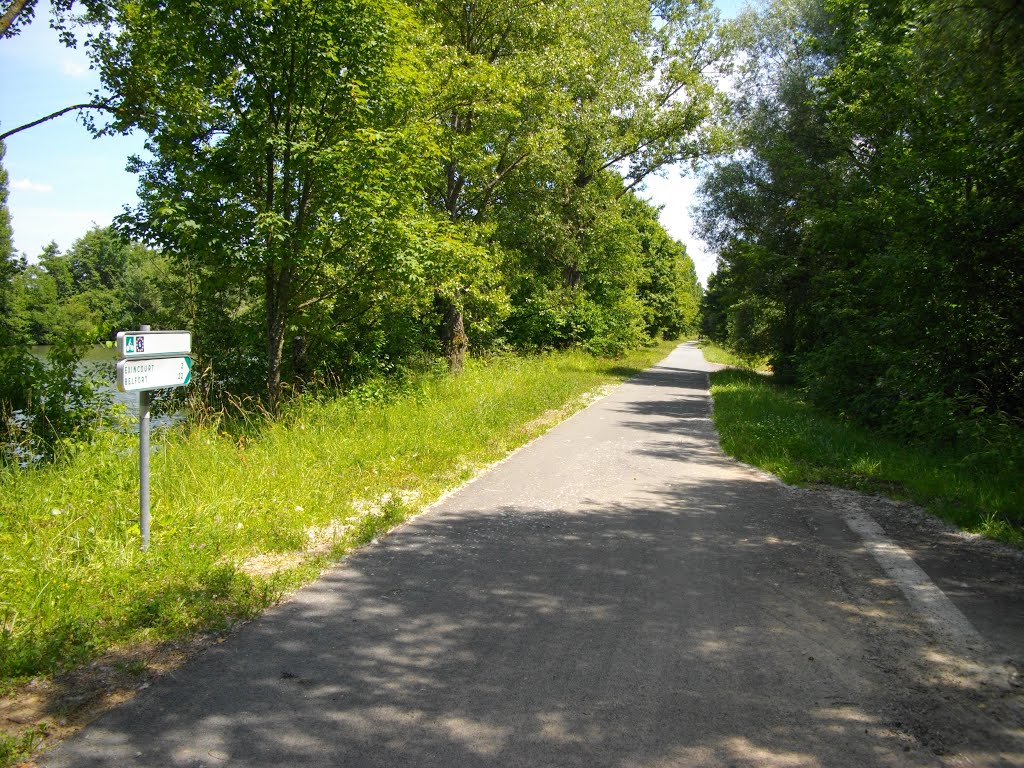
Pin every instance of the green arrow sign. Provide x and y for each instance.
(153, 373)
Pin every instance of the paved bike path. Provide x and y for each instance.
(617, 593)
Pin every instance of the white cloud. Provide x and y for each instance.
(74, 66)
(676, 192)
(27, 185)
(35, 227)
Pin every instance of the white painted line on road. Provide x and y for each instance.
(972, 657)
(920, 590)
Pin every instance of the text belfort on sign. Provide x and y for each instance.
(149, 360)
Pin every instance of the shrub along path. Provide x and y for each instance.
(617, 593)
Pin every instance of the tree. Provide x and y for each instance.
(283, 148)
(938, 161)
(9, 267)
(603, 274)
(101, 285)
(16, 14)
(640, 87)
(669, 289)
(42, 405)
(640, 96)
(759, 207)
(494, 113)
(544, 99)
(6, 233)
(869, 236)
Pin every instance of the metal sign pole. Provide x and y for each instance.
(150, 360)
(144, 410)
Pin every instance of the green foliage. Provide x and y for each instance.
(6, 234)
(286, 148)
(596, 269)
(343, 187)
(870, 236)
(540, 102)
(50, 408)
(10, 267)
(340, 192)
(670, 291)
(70, 302)
(974, 484)
(103, 284)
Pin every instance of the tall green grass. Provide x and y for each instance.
(775, 429)
(240, 516)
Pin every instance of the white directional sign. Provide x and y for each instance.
(153, 373)
(153, 344)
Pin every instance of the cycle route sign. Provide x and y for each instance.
(153, 360)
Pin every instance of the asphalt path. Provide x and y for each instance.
(617, 593)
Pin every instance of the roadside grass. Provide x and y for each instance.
(240, 516)
(774, 429)
(722, 356)
(16, 748)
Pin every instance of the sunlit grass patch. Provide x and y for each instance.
(722, 356)
(775, 429)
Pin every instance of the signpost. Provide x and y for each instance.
(151, 360)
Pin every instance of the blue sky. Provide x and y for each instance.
(62, 181)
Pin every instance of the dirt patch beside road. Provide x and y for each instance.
(956, 690)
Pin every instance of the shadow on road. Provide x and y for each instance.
(701, 621)
(555, 638)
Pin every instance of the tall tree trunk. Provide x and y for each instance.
(454, 342)
(275, 347)
(784, 362)
(277, 286)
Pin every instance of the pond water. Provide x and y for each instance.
(104, 360)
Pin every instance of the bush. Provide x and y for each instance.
(46, 408)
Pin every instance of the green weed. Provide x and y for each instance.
(20, 746)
